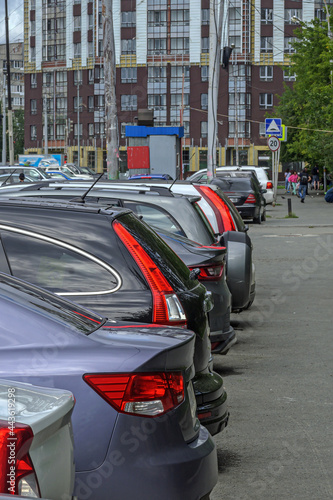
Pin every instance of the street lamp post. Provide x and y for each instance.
(78, 120)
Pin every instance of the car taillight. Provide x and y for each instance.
(167, 309)
(250, 199)
(216, 202)
(17, 474)
(145, 394)
(269, 185)
(209, 272)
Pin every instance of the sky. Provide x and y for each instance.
(15, 15)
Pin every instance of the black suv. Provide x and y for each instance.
(113, 263)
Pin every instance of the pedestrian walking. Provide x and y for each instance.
(293, 179)
(286, 180)
(315, 177)
(304, 179)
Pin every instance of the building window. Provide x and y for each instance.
(204, 73)
(61, 104)
(33, 54)
(90, 49)
(60, 51)
(266, 73)
(205, 44)
(128, 46)
(91, 131)
(100, 101)
(99, 128)
(75, 129)
(267, 16)
(99, 74)
(33, 106)
(320, 14)
(157, 73)
(90, 21)
(266, 44)
(205, 16)
(157, 18)
(157, 46)
(157, 100)
(203, 129)
(180, 17)
(289, 75)
(77, 100)
(235, 16)
(33, 80)
(204, 101)
(91, 76)
(60, 131)
(128, 19)
(242, 70)
(244, 129)
(180, 46)
(32, 27)
(77, 50)
(77, 23)
(61, 78)
(33, 133)
(265, 101)
(128, 75)
(288, 47)
(262, 129)
(289, 14)
(129, 102)
(91, 104)
(123, 128)
(77, 77)
(177, 72)
(100, 48)
(48, 79)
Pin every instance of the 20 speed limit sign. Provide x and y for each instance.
(273, 143)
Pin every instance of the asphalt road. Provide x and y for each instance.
(279, 441)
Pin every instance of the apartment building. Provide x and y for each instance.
(162, 55)
(16, 74)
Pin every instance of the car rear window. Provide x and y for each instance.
(234, 183)
(164, 257)
(48, 305)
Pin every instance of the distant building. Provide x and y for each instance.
(16, 73)
(162, 50)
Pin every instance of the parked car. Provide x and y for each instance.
(68, 172)
(36, 439)
(30, 172)
(229, 227)
(134, 423)
(110, 261)
(203, 256)
(260, 172)
(165, 177)
(8, 180)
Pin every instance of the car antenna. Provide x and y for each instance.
(81, 198)
(176, 179)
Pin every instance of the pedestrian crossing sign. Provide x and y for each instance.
(273, 126)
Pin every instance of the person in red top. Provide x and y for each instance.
(293, 179)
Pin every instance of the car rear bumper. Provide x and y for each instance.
(248, 212)
(221, 342)
(152, 464)
(212, 408)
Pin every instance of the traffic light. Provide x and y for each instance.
(70, 125)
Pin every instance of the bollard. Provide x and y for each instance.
(289, 207)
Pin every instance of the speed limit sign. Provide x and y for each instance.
(273, 143)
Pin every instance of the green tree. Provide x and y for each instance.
(307, 106)
(18, 132)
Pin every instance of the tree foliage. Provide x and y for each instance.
(307, 106)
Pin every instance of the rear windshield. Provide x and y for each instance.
(234, 212)
(164, 257)
(234, 183)
(48, 305)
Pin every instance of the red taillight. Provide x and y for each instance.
(210, 272)
(250, 199)
(269, 185)
(167, 309)
(16, 470)
(146, 394)
(217, 203)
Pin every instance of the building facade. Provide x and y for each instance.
(162, 56)
(16, 74)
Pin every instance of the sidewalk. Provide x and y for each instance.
(314, 212)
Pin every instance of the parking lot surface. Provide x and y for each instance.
(278, 444)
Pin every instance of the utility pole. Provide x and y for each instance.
(111, 120)
(46, 149)
(9, 95)
(3, 96)
(236, 119)
(215, 35)
(78, 120)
